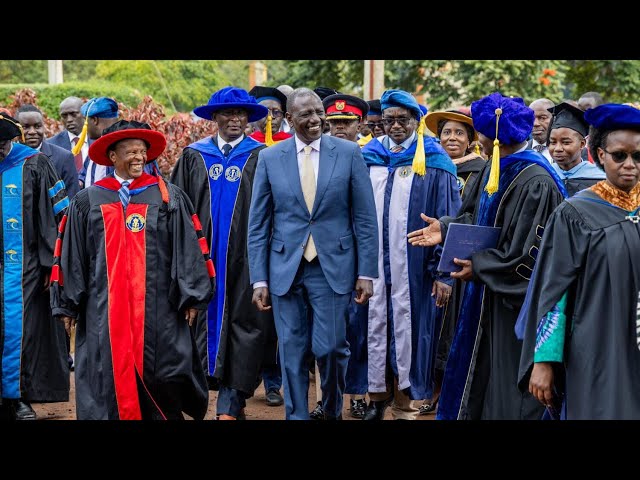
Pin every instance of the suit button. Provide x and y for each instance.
(311, 222)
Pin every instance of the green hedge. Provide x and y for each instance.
(50, 96)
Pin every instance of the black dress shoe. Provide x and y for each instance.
(427, 408)
(358, 408)
(274, 399)
(317, 413)
(24, 411)
(375, 410)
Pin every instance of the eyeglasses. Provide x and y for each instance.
(372, 125)
(620, 156)
(402, 121)
(275, 113)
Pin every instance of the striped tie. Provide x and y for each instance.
(123, 193)
(397, 148)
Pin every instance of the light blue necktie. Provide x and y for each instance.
(124, 195)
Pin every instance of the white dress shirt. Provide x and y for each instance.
(315, 159)
(85, 146)
(544, 152)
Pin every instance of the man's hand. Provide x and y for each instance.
(190, 314)
(442, 292)
(467, 270)
(541, 382)
(261, 299)
(69, 323)
(428, 236)
(364, 290)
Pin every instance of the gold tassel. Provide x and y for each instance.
(419, 165)
(83, 135)
(494, 176)
(476, 149)
(268, 136)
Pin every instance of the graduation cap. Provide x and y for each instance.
(9, 128)
(127, 129)
(374, 107)
(100, 107)
(269, 93)
(613, 116)
(400, 98)
(505, 119)
(341, 106)
(566, 115)
(324, 92)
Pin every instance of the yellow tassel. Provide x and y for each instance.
(476, 149)
(419, 165)
(494, 176)
(268, 136)
(83, 135)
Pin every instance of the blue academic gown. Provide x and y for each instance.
(402, 319)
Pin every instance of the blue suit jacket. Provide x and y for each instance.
(343, 221)
(61, 140)
(64, 163)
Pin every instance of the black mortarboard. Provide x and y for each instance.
(566, 115)
(374, 107)
(9, 127)
(269, 93)
(324, 92)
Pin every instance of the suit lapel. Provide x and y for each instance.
(325, 169)
(290, 165)
(44, 148)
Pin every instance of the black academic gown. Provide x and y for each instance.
(590, 251)
(33, 345)
(491, 390)
(247, 339)
(128, 278)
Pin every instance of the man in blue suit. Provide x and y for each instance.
(310, 241)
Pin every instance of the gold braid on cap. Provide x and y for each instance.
(2, 117)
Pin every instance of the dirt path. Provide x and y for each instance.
(256, 409)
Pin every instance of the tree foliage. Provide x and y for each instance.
(616, 80)
(180, 85)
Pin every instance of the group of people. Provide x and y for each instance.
(305, 235)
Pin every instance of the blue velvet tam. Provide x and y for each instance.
(101, 107)
(400, 98)
(232, 97)
(613, 116)
(423, 109)
(515, 123)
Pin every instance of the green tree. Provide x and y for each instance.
(23, 71)
(79, 70)
(529, 79)
(180, 85)
(616, 80)
(342, 75)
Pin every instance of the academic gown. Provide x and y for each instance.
(404, 322)
(590, 251)
(128, 278)
(582, 176)
(480, 379)
(32, 343)
(232, 337)
(468, 173)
